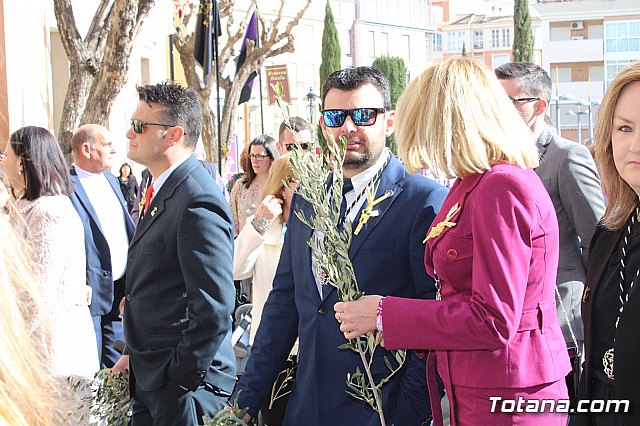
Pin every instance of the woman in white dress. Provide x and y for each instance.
(38, 178)
(258, 245)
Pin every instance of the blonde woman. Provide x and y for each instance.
(258, 246)
(27, 388)
(610, 302)
(492, 249)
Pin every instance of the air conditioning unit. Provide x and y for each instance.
(577, 37)
(577, 25)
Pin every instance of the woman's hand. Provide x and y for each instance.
(359, 317)
(267, 212)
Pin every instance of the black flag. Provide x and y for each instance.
(251, 34)
(207, 27)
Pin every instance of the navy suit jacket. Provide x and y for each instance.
(99, 276)
(180, 293)
(388, 259)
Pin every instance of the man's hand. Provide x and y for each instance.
(121, 365)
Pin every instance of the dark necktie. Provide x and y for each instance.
(346, 187)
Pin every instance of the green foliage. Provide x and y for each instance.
(523, 40)
(395, 70)
(330, 55)
(230, 416)
(106, 399)
(464, 49)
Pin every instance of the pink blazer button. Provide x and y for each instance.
(452, 254)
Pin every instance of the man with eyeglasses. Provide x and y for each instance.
(294, 133)
(387, 256)
(180, 293)
(569, 174)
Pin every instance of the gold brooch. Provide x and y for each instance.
(368, 211)
(446, 223)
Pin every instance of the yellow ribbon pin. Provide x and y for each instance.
(368, 211)
(446, 223)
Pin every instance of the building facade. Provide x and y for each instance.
(585, 43)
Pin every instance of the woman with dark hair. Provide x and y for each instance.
(128, 185)
(611, 301)
(246, 192)
(38, 179)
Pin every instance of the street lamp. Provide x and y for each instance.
(557, 99)
(578, 114)
(595, 102)
(311, 105)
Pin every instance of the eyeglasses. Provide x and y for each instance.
(514, 100)
(258, 157)
(138, 125)
(293, 146)
(360, 116)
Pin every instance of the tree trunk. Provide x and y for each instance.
(80, 80)
(209, 132)
(99, 63)
(127, 17)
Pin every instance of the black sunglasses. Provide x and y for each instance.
(138, 125)
(523, 99)
(293, 146)
(360, 116)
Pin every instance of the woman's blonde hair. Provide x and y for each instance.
(456, 120)
(279, 173)
(27, 389)
(621, 198)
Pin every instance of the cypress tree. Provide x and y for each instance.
(330, 55)
(522, 32)
(396, 72)
(464, 49)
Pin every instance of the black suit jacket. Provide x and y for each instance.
(99, 276)
(180, 292)
(627, 343)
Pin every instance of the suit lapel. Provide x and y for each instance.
(607, 243)
(381, 208)
(128, 222)
(458, 195)
(157, 206)
(84, 198)
(543, 142)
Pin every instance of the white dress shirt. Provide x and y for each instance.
(111, 219)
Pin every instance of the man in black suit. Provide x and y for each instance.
(108, 229)
(180, 294)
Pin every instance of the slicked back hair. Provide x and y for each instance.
(353, 78)
(533, 79)
(180, 106)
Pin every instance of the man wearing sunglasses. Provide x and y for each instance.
(294, 133)
(569, 174)
(387, 256)
(180, 294)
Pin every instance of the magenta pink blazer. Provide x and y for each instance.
(496, 325)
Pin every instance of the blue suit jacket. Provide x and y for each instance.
(99, 276)
(388, 259)
(180, 293)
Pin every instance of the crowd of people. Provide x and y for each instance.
(528, 257)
